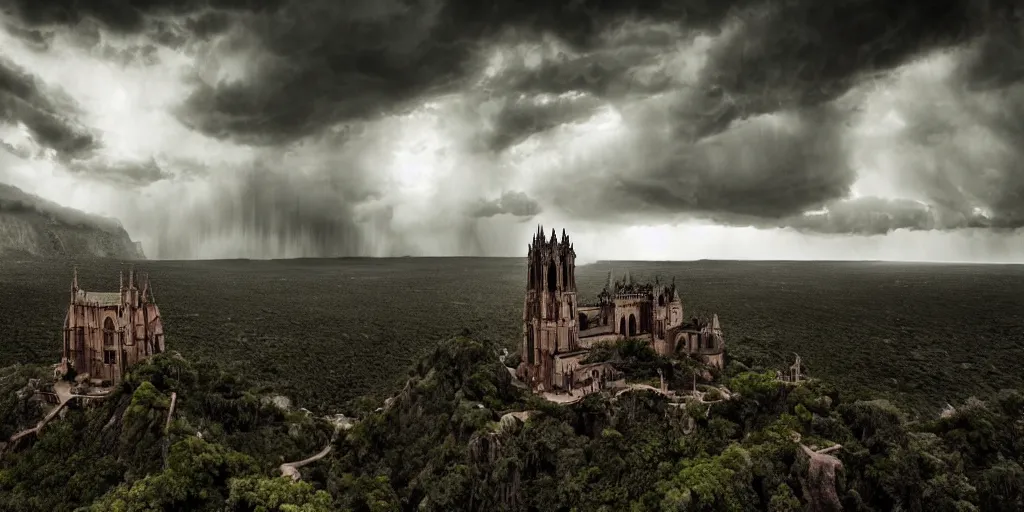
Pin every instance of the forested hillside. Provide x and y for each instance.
(447, 441)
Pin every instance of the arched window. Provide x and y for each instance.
(109, 345)
(552, 277)
(108, 332)
(632, 325)
(661, 301)
(622, 325)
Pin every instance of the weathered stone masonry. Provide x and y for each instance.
(558, 332)
(106, 332)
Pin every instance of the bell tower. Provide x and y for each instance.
(549, 309)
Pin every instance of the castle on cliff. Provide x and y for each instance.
(558, 331)
(106, 332)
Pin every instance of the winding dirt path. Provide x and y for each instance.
(291, 469)
(65, 399)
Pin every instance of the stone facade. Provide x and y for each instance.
(549, 309)
(106, 332)
(558, 332)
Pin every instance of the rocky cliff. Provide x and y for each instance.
(34, 227)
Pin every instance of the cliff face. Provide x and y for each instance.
(33, 227)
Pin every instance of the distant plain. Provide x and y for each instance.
(328, 330)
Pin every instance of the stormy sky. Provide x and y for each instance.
(793, 129)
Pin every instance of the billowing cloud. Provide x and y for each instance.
(878, 216)
(516, 204)
(317, 128)
(47, 113)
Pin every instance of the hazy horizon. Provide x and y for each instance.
(141, 263)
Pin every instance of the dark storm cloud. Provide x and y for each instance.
(340, 60)
(519, 118)
(124, 16)
(806, 53)
(966, 152)
(517, 204)
(765, 168)
(607, 70)
(47, 113)
(998, 59)
(795, 57)
(331, 61)
(713, 153)
(782, 54)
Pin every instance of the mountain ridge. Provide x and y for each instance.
(33, 227)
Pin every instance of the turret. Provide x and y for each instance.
(74, 284)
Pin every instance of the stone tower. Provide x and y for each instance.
(549, 311)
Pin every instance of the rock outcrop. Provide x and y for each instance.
(36, 228)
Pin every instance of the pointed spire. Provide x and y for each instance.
(74, 280)
(554, 237)
(131, 277)
(715, 326)
(120, 280)
(611, 282)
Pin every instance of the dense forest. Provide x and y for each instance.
(449, 441)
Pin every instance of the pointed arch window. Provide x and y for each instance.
(109, 343)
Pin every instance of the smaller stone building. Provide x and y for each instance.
(106, 332)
